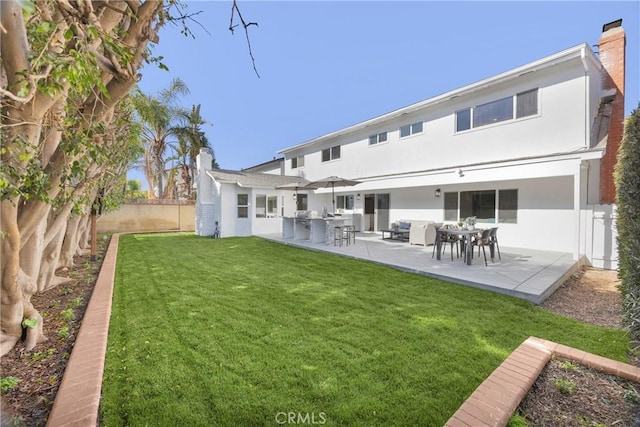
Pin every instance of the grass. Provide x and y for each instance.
(241, 331)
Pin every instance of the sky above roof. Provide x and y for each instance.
(326, 65)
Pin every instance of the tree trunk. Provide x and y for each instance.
(85, 233)
(11, 298)
(71, 239)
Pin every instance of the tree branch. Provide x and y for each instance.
(245, 25)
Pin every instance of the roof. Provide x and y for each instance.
(275, 162)
(254, 179)
(577, 52)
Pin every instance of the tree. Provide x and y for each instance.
(158, 115)
(66, 68)
(67, 133)
(191, 139)
(627, 179)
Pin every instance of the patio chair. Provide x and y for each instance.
(494, 241)
(482, 241)
(446, 238)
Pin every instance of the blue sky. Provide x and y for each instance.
(327, 65)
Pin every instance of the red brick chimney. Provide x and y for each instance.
(612, 56)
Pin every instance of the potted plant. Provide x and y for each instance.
(471, 222)
(460, 223)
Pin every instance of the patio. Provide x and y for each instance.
(524, 273)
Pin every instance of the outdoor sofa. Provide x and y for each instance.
(420, 232)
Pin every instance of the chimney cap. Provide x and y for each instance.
(614, 24)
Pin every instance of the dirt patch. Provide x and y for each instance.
(569, 394)
(590, 295)
(30, 380)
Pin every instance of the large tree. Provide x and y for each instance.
(159, 115)
(66, 68)
(191, 138)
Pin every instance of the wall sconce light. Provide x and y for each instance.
(294, 196)
(438, 192)
(460, 173)
(358, 196)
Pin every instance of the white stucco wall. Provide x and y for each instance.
(560, 125)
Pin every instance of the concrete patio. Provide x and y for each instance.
(524, 273)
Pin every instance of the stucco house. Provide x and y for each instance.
(530, 150)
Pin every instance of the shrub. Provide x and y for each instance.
(8, 383)
(627, 179)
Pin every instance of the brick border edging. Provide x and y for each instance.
(78, 399)
(496, 399)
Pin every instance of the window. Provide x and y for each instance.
(527, 103)
(243, 206)
(344, 202)
(378, 138)
(463, 120)
(508, 206)
(493, 112)
(411, 129)
(261, 205)
(451, 206)
(301, 202)
(297, 162)
(481, 204)
(272, 206)
(332, 153)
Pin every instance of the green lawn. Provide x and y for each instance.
(244, 331)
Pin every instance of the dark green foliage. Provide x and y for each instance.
(627, 177)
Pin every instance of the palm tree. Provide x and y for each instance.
(191, 138)
(158, 116)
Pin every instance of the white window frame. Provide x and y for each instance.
(242, 206)
(332, 153)
(297, 162)
(378, 138)
(412, 129)
(514, 113)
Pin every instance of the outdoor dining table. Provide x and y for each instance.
(468, 246)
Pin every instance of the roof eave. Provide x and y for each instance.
(575, 52)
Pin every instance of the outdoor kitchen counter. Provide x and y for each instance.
(317, 230)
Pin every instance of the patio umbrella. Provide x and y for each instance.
(332, 181)
(295, 186)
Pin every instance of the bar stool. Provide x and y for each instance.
(350, 233)
(338, 235)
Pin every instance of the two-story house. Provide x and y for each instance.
(530, 150)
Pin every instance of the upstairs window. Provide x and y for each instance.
(463, 120)
(297, 162)
(523, 104)
(411, 129)
(527, 103)
(493, 112)
(332, 153)
(378, 138)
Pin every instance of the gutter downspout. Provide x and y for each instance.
(577, 185)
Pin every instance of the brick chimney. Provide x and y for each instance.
(611, 48)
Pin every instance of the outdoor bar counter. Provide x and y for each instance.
(315, 229)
